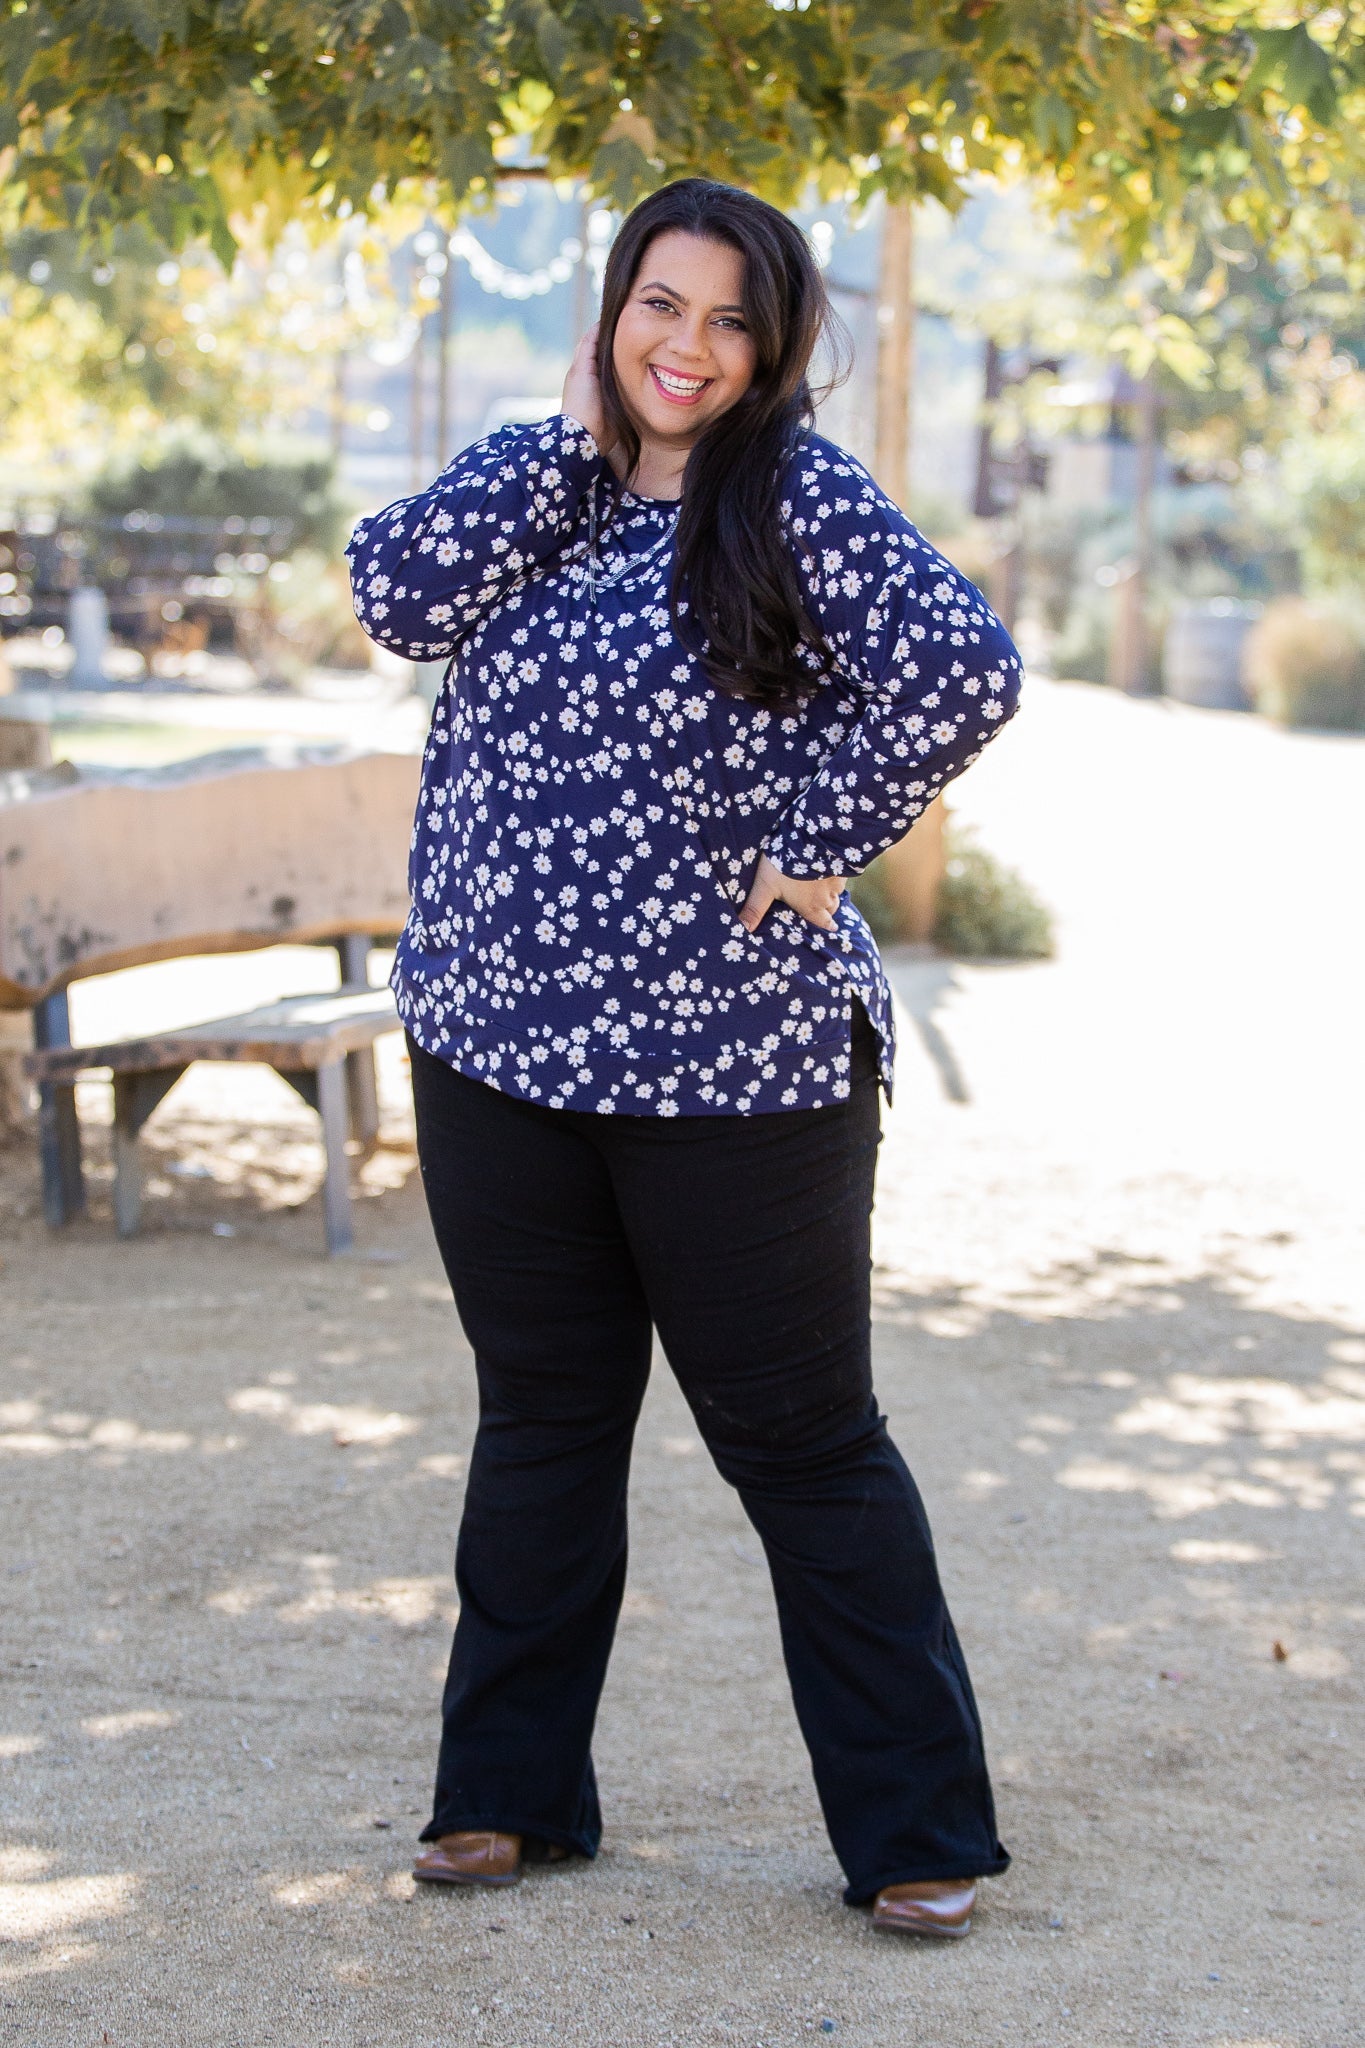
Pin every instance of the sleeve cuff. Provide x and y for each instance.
(806, 860)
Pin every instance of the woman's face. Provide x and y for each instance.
(682, 353)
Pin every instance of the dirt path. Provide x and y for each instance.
(1122, 1341)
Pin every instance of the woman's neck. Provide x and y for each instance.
(658, 472)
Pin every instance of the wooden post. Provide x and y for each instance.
(912, 870)
(912, 875)
(582, 280)
(895, 351)
(416, 421)
(337, 417)
(1131, 666)
(444, 327)
(1140, 678)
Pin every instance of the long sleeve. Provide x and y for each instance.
(938, 674)
(428, 568)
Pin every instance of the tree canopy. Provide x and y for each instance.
(1149, 124)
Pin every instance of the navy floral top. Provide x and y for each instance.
(593, 809)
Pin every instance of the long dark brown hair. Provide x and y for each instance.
(733, 570)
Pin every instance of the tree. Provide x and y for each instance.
(102, 353)
(1144, 122)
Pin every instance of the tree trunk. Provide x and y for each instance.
(417, 409)
(444, 353)
(895, 352)
(1132, 663)
(912, 870)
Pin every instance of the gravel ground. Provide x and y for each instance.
(1121, 1336)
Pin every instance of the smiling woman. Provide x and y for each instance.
(703, 669)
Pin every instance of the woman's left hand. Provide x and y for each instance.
(815, 900)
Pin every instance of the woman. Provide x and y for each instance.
(704, 670)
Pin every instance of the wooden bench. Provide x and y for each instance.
(228, 853)
(323, 1045)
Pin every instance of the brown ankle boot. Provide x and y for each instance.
(941, 1906)
(470, 1857)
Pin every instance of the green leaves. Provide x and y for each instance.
(1138, 128)
(1293, 60)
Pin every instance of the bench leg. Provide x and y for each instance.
(336, 1187)
(353, 955)
(59, 1130)
(362, 1089)
(362, 1096)
(59, 1141)
(135, 1097)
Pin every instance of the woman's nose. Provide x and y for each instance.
(690, 339)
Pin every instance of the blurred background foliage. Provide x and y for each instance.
(1149, 128)
(199, 477)
(214, 231)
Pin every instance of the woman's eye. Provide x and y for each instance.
(659, 305)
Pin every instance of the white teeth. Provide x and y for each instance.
(684, 386)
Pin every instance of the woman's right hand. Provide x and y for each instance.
(816, 900)
(582, 399)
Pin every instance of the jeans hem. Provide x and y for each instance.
(923, 1873)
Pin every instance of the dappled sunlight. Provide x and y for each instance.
(1199, 1410)
(406, 1603)
(16, 1965)
(18, 1745)
(26, 1432)
(980, 1484)
(1110, 1283)
(1204, 1412)
(113, 1727)
(1200, 1550)
(352, 1423)
(1188, 1439)
(1172, 1494)
(442, 1465)
(322, 1888)
(35, 1905)
(242, 1599)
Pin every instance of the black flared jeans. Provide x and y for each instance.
(744, 1241)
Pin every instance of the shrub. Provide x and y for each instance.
(987, 910)
(1304, 663)
(195, 475)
